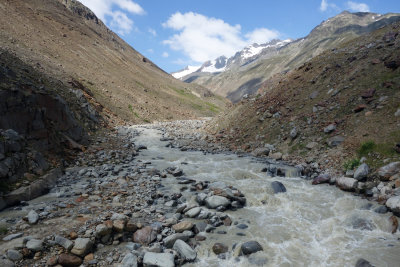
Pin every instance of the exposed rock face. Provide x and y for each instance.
(38, 116)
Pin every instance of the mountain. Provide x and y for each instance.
(65, 39)
(246, 76)
(329, 110)
(221, 64)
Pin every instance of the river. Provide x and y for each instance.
(305, 226)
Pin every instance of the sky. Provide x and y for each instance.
(177, 33)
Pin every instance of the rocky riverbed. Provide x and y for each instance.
(161, 195)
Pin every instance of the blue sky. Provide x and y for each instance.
(177, 33)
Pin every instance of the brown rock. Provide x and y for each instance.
(227, 221)
(52, 261)
(219, 248)
(395, 223)
(200, 238)
(69, 260)
(369, 93)
(144, 236)
(119, 226)
(359, 108)
(73, 235)
(182, 226)
(397, 183)
(131, 226)
(375, 61)
(89, 257)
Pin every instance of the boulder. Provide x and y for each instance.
(250, 247)
(152, 259)
(130, 260)
(145, 235)
(182, 226)
(335, 141)
(361, 172)
(276, 155)
(261, 151)
(393, 204)
(35, 245)
(219, 248)
(33, 217)
(330, 128)
(14, 255)
(346, 184)
(169, 241)
(278, 187)
(192, 213)
(64, 242)
(388, 171)
(214, 202)
(82, 246)
(321, 179)
(69, 260)
(363, 263)
(185, 250)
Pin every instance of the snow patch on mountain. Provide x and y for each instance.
(186, 71)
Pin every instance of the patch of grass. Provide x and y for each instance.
(3, 229)
(136, 114)
(146, 120)
(296, 147)
(5, 187)
(130, 108)
(212, 107)
(366, 147)
(351, 164)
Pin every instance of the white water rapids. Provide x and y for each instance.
(306, 226)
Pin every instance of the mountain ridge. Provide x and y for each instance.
(235, 83)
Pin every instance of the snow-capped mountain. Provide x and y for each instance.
(186, 71)
(243, 57)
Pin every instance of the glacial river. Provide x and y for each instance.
(305, 226)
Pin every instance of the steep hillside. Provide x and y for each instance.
(335, 108)
(234, 83)
(66, 40)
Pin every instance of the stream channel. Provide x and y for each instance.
(305, 226)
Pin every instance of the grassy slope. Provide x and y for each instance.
(352, 69)
(55, 40)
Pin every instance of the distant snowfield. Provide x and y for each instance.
(188, 70)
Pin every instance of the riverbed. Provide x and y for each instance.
(305, 226)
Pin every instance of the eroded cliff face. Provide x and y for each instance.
(41, 121)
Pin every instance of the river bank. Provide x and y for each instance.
(128, 199)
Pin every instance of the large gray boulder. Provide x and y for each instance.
(361, 172)
(82, 246)
(185, 250)
(169, 241)
(130, 260)
(33, 217)
(214, 202)
(346, 184)
(152, 259)
(393, 203)
(388, 171)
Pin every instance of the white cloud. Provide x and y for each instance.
(261, 35)
(325, 5)
(152, 32)
(165, 54)
(115, 13)
(151, 51)
(357, 7)
(203, 38)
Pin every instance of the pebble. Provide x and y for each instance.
(14, 255)
(33, 217)
(12, 236)
(35, 245)
(219, 248)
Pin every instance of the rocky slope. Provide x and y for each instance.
(235, 82)
(66, 40)
(64, 75)
(334, 109)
